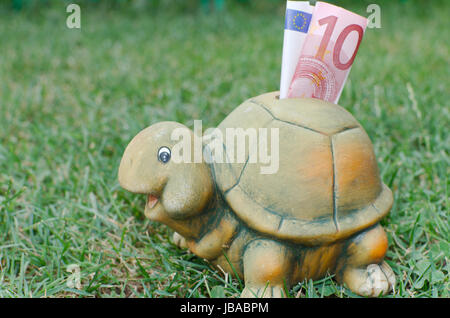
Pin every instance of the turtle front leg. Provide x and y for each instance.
(179, 240)
(267, 267)
(362, 267)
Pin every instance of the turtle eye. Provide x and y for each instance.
(164, 154)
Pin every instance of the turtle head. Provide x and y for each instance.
(176, 190)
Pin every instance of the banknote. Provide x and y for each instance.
(296, 25)
(327, 53)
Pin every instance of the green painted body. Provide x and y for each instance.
(318, 213)
(224, 239)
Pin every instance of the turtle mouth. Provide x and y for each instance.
(154, 208)
(152, 200)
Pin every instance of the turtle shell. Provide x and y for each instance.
(327, 185)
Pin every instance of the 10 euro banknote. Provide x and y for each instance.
(326, 56)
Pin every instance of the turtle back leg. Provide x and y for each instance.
(267, 267)
(361, 267)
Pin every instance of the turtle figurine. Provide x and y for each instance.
(318, 213)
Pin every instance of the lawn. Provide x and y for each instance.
(71, 100)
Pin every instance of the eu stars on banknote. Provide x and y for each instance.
(297, 20)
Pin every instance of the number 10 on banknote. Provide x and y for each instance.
(327, 53)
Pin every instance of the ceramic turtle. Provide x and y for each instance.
(318, 214)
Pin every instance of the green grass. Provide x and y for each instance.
(71, 100)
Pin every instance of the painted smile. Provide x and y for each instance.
(151, 201)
